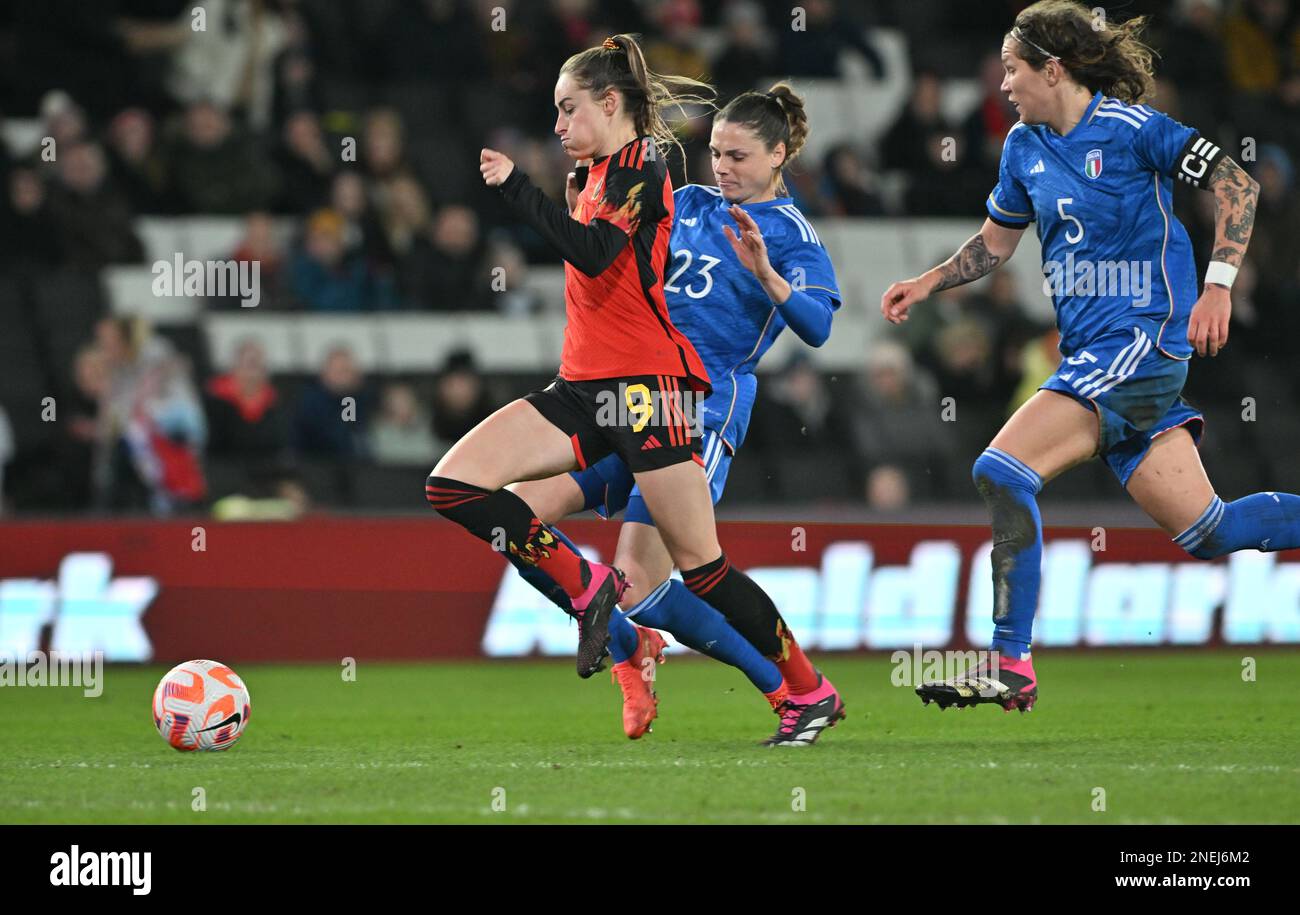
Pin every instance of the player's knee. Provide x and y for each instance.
(445, 494)
(1209, 548)
(1205, 538)
(639, 584)
(997, 475)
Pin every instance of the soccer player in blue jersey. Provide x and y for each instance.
(1093, 167)
(744, 265)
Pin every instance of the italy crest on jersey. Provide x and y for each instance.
(1092, 168)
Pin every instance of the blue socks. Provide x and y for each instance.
(622, 637)
(1008, 487)
(674, 609)
(1265, 521)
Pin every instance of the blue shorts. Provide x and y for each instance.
(608, 486)
(1134, 389)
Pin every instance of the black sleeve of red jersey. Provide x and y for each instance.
(590, 248)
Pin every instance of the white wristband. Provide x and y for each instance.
(1220, 273)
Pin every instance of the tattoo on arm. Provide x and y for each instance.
(1235, 195)
(972, 261)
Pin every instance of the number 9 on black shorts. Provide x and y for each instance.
(650, 421)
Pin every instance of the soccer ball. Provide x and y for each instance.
(201, 705)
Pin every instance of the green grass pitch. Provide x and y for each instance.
(1171, 738)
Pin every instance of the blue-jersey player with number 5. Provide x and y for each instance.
(1093, 167)
(744, 264)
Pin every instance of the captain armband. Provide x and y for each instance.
(1196, 162)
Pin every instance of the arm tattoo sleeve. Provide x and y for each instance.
(972, 261)
(1235, 194)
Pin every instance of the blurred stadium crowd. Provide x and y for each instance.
(249, 121)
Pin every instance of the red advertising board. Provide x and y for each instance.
(406, 588)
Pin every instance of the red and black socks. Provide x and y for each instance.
(751, 612)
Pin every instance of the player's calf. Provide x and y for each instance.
(1264, 521)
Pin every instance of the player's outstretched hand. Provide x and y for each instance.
(1207, 329)
(495, 167)
(900, 297)
(749, 246)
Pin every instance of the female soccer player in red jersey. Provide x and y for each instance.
(746, 264)
(623, 365)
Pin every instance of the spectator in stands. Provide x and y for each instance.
(849, 187)
(428, 40)
(457, 261)
(407, 228)
(245, 417)
(508, 280)
(924, 145)
(1192, 57)
(215, 170)
(676, 49)
(460, 397)
(887, 489)
(231, 61)
(986, 127)
(296, 87)
(1261, 38)
(79, 427)
(334, 411)
(748, 57)
(903, 145)
(896, 421)
(383, 149)
(62, 119)
(1005, 322)
(152, 423)
(362, 234)
(134, 162)
(964, 365)
(1039, 360)
(816, 50)
(797, 412)
(306, 165)
(564, 27)
(259, 245)
(29, 237)
(326, 278)
(402, 433)
(1277, 224)
(91, 217)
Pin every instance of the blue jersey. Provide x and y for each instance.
(722, 308)
(1114, 256)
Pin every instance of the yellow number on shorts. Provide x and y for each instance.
(641, 412)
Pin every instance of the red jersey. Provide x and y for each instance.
(618, 322)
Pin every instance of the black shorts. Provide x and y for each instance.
(650, 421)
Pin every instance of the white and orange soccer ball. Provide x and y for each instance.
(201, 705)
